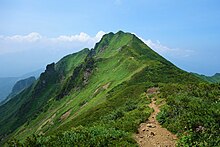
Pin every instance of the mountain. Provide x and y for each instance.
(96, 97)
(7, 83)
(212, 79)
(19, 87)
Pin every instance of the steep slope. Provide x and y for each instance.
(33, 100)
(212, 79)
(98, 89)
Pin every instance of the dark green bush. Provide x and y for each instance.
(192, 111)
(80, 136)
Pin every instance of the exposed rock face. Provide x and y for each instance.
(80, 75)
(89, 67)
(49, 76)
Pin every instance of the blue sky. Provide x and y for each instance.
(34, 33)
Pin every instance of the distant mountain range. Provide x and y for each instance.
(7, 83)
(212, 79)
(19, 87)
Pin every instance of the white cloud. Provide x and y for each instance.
(73, 43)
(99, 35)
(34, 41)
(167, 51)
(82, 37)
(32, 37)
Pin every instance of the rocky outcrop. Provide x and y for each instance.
(80, 76)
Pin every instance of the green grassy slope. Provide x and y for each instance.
(32, 101)
(212, 79)
(99, 90)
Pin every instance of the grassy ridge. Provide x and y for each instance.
(97, 96)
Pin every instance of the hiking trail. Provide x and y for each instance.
(151, 133)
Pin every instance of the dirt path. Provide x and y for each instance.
(151, 133)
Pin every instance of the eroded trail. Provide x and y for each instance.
(151, 133)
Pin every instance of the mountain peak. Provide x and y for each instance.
(120, 32)
(112, 42)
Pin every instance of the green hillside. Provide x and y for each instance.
(96, 97)
(212, 79)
